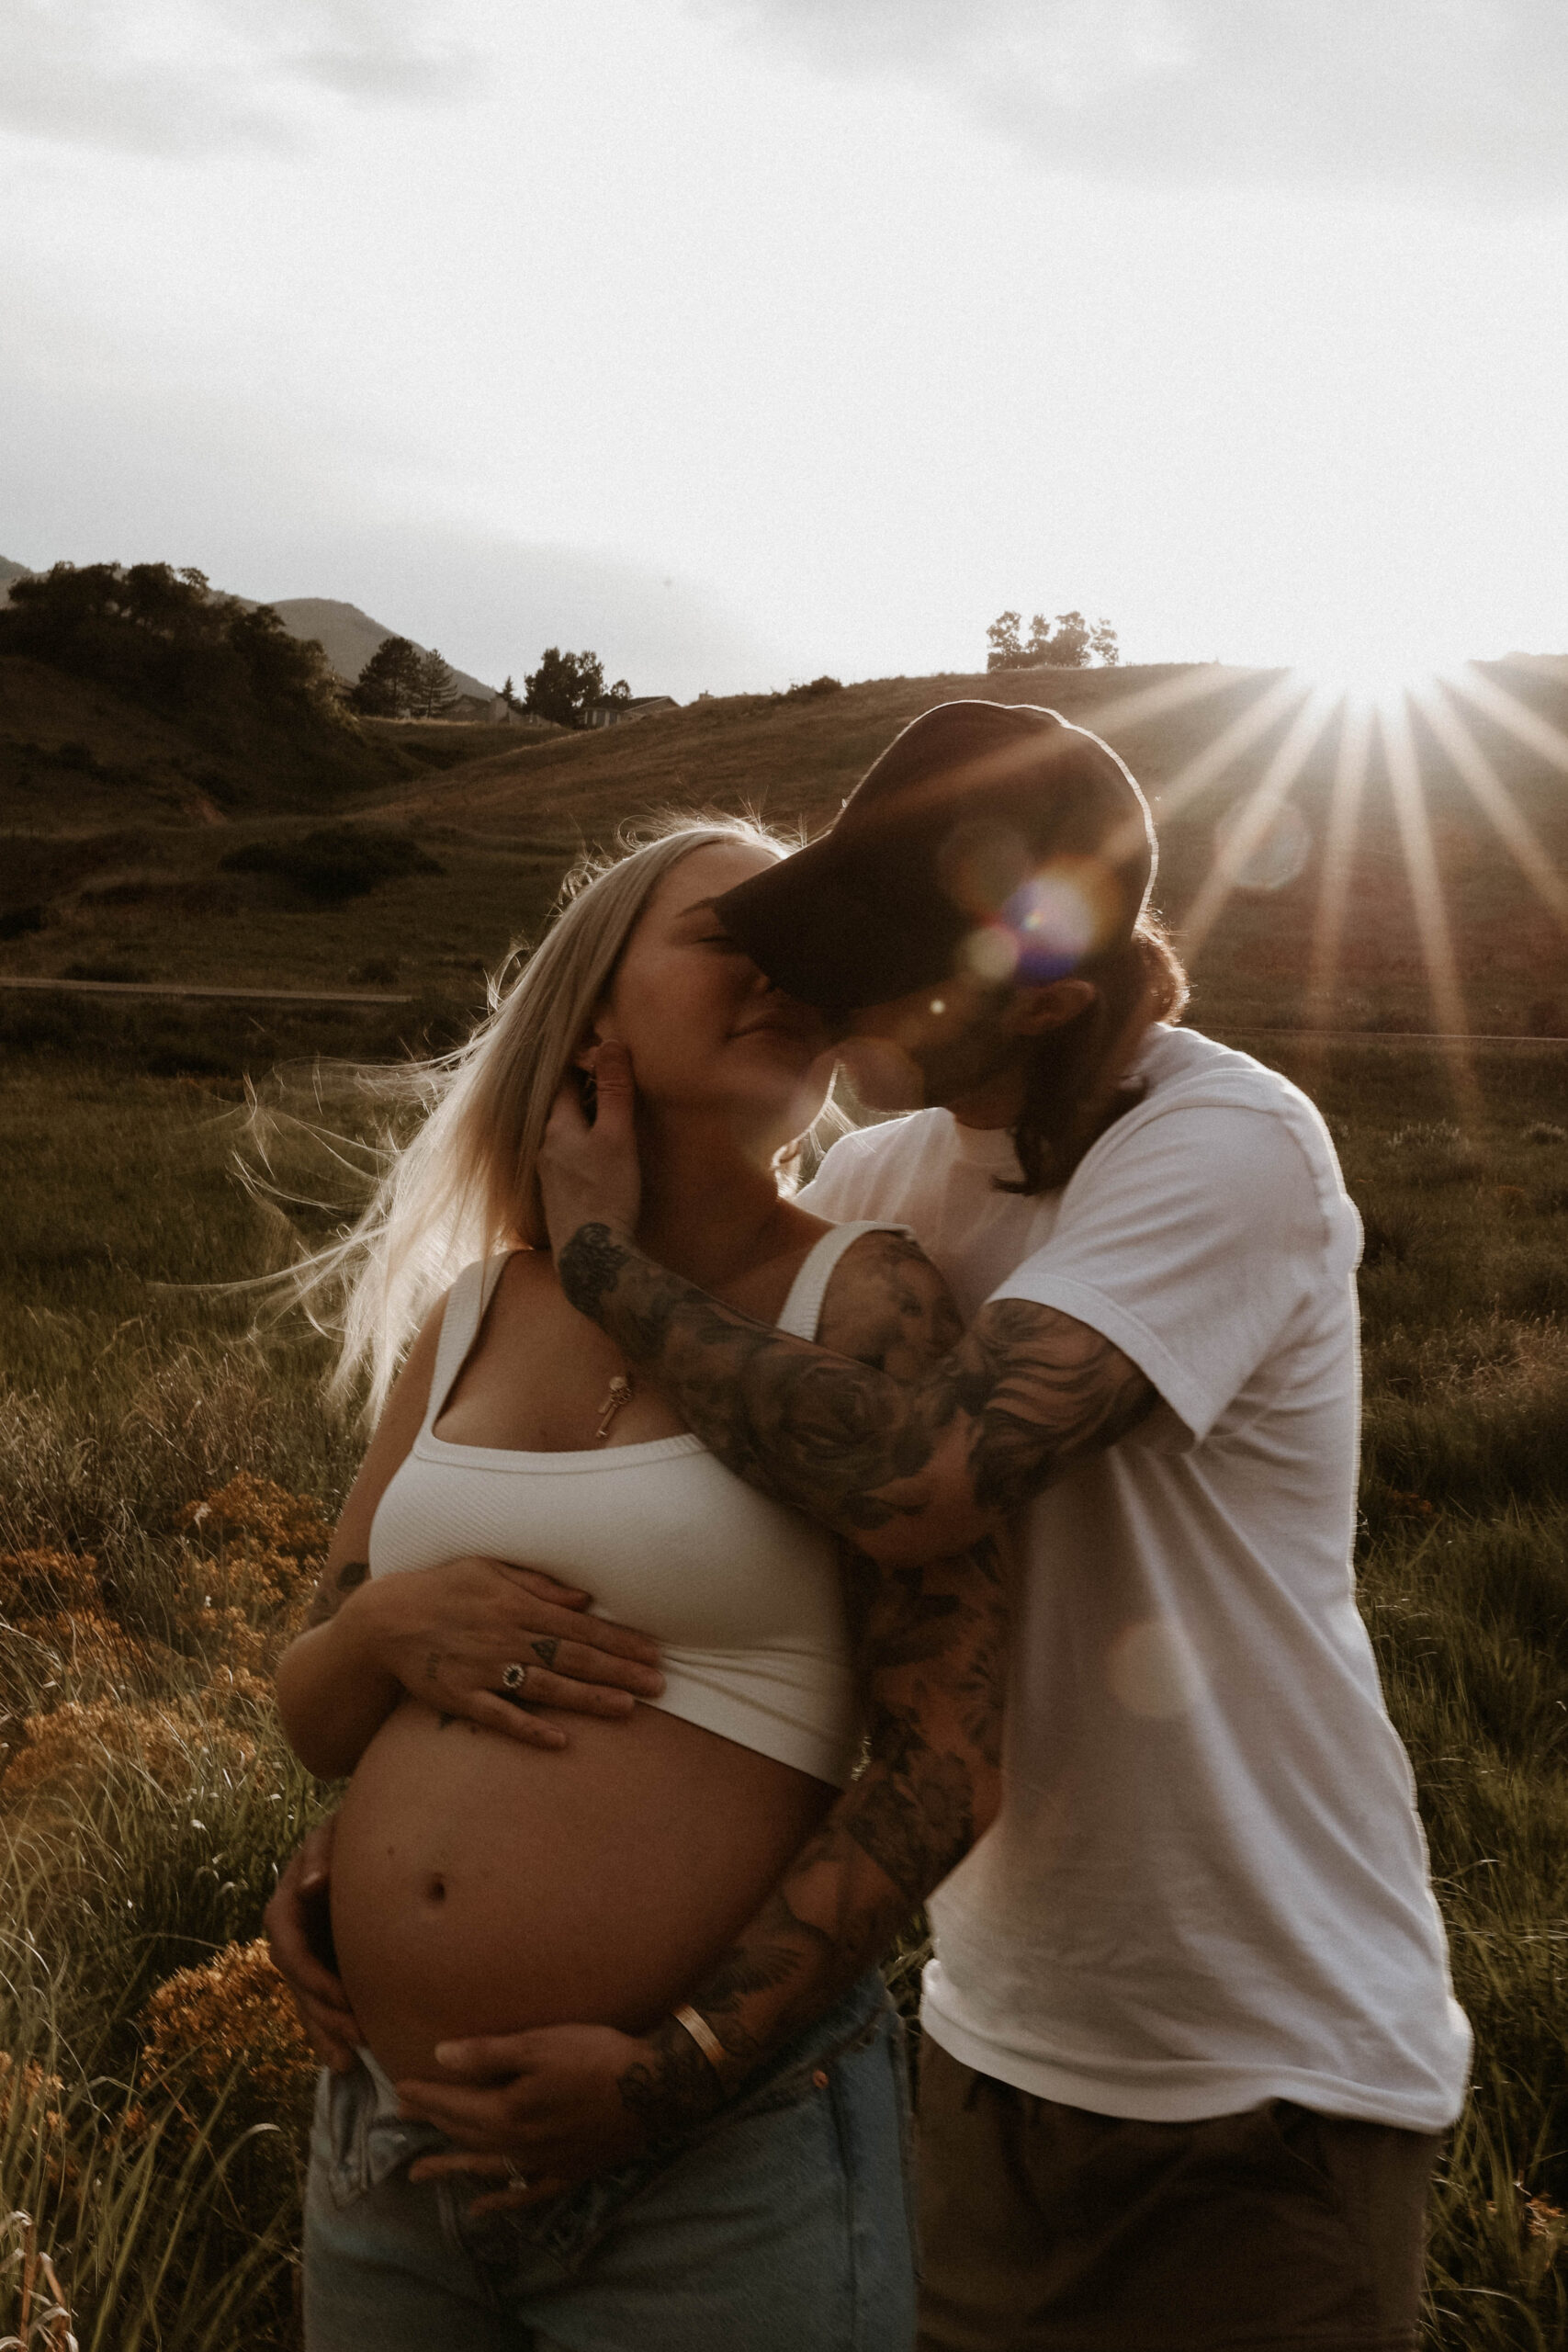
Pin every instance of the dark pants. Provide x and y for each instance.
(1046, 2229)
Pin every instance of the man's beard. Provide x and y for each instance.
(890, 1075)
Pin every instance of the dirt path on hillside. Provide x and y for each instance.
(178, 988)
(366, 996)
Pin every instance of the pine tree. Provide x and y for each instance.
(435, 689)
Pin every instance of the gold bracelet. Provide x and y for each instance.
(703, 2034)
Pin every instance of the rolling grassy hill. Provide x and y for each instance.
(112, 837)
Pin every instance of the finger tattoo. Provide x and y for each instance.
(544, 1649)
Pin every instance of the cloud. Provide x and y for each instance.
(186, 77)
(1466, 96)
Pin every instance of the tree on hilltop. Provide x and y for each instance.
(390, 681)
(565, 686)
(1071, 643)
(161, 636)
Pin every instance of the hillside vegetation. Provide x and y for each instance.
(123, 824)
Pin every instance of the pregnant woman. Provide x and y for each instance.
(501, 1866)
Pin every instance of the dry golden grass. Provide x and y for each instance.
(166, 1484)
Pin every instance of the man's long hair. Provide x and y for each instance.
(1072, 1094)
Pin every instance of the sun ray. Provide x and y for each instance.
(1427, 894)
(1525, 725)
(1492, 794)
(1339, 839)
(1142, 703)
(1228, 745)
(1253, 822)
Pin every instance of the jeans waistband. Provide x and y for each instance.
(366, 2141)
(569, 2226)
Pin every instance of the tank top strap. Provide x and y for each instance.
(466, 1304)
(803, 1308)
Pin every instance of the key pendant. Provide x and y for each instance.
(620, 1393)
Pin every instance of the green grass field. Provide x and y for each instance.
(151, 2099)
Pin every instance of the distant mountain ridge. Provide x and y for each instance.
(347, 636)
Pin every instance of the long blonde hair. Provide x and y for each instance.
(466, 1183)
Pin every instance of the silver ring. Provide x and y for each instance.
(514, 1676)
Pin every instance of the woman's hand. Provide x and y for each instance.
(459, 1636)
(540, 2109)
(589, 1174)
(298, 1929)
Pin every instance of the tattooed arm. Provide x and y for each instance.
(932, 1644)
(908, 1468)
(935, 1645)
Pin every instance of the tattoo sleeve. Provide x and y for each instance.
(932, 1647)
(915, 1442)
(908, 1467)
(333, 1590)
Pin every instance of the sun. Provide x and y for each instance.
(1377, 670)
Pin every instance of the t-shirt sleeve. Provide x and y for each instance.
(1190, 1247)
(840, 1188)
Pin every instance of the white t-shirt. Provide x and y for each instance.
(1208, 1885)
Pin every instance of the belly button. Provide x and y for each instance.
(437, 1890)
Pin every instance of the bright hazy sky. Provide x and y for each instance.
(746, 339)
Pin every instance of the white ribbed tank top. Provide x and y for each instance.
(743, 1595)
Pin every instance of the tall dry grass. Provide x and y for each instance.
(165, 1480)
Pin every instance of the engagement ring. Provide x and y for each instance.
(514, 1676)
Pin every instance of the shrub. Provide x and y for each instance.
(335, 862)
(246, 1577)
(1437, 1152)
(77, 1747)
(230, 2027)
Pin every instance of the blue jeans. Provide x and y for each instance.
(781, 2225)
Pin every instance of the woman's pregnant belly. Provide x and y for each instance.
(480, 1886)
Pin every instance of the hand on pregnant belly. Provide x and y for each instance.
(459, 1636)
(555, 2105)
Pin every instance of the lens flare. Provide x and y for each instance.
(1268, 860)
(1252, 820)
(1060, 915)
(991, 955)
